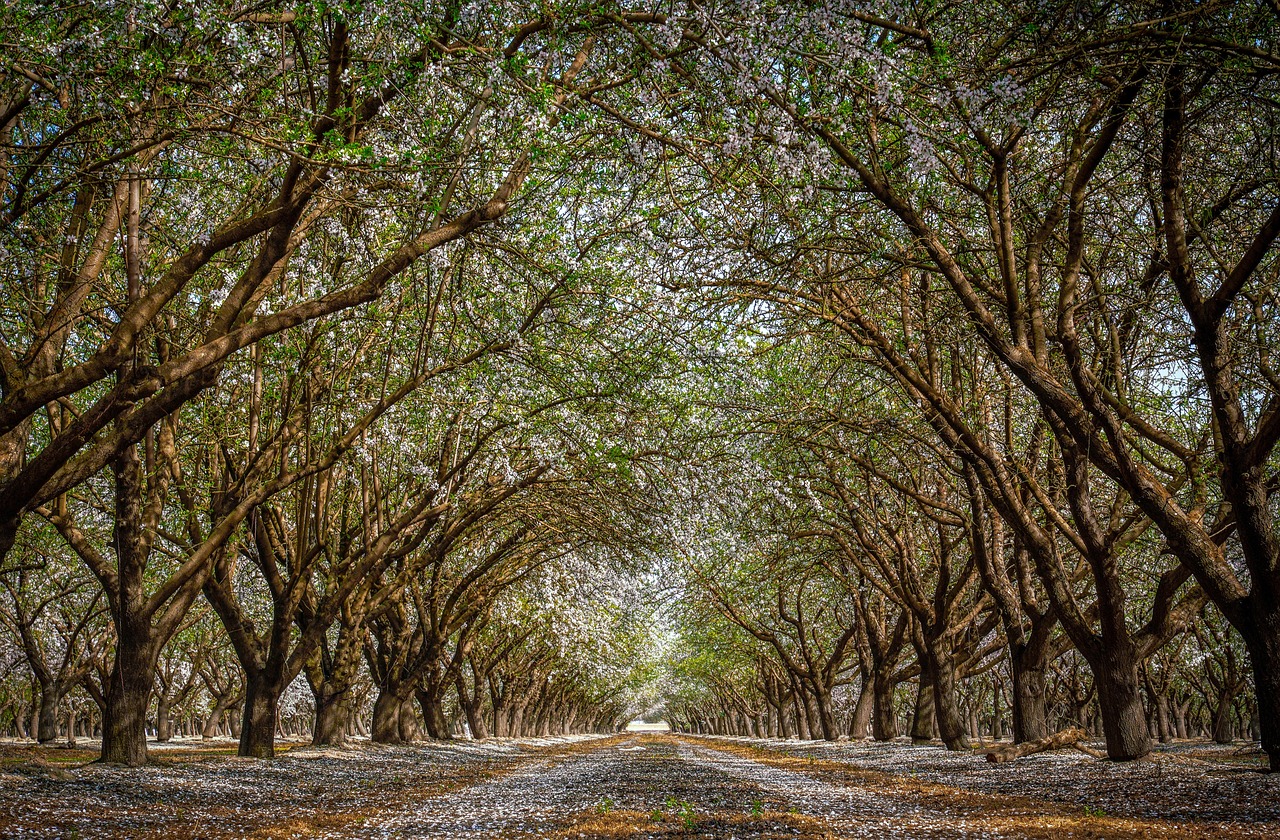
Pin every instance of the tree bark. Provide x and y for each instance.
(433, 714)
(1264, 659)
(47, 722)
(386, 719)
(1030, 718)
(860, 722)
(124, 721)
(826, 717)
(884, 720)
(923, 725)
(332, 719)
(164, 725)
(1124, 721)
(1058, 740)
(951, 727)
(258, 723)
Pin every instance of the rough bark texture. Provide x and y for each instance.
(1030, 721)
(124, 734)
(332, 718)
(884, 722)
(923, 724)
(1058, 740)
(1124, 720)
(1264, 658)
(860, 721)
(386, 719)
(258, 723)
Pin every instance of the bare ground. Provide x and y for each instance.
(634, 787)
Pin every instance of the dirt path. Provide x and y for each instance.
(632, 787)
(652, 787)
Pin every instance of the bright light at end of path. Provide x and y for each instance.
(641, 726)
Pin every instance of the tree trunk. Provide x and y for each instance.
(433, 714)
(332, 718)
(884, 721)
(1030, 718)
(942, 676)
(516, 728)
(47, 721)
(1264, 659)
(812, 714)
(860, 722)
(476, 721)
(500, 718)
(409, 729)
(213, 722)
(784, 717)
(1163, 721)
(1058, 740)
(923, 727)
(826, 717)
(802, 719)
(164, 725)
(1124, 721)
(124, 721)
(386, 718)
(258, 723)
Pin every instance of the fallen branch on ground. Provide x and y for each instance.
(1066, 738)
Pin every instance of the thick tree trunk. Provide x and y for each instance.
(942, 676)
(1124, 721)
(860, 721)
(826, 717)
(884, 720)
(500, 719)
(802, 720)
(923, 725)
(1030, 718)
(409, 729)
(386, 718)
(476, 721)
(1264, 659)
(332, 719)
(258, 723)
(47, 721)
(432, 707)
(124, 722)
(516, 727)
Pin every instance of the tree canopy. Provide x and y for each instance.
(795, 368)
